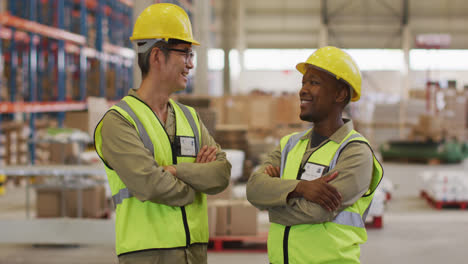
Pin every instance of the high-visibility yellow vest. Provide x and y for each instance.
(147, 225)
(330, 242)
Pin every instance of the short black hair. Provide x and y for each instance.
(143, 58)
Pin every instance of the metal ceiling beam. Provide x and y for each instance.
(405, 7)
(282, 11)
(389, 7)
(324, 12)
(337, 10)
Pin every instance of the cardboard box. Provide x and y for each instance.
(262, 111)
(77, 120)
(49, 201)
(237, 110)
(87, 120)
(212, 220)
(60, 153)
(208, 117)
(287, 110)
(235, 218)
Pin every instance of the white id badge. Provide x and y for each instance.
(187, 146)
(312, 171)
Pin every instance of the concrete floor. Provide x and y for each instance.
(413, 232)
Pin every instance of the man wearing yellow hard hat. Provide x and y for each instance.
(318, 184)
(160, 159)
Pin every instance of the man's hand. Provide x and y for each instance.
(319, 191)
(272, 171)
(206, 154)
(170, 169)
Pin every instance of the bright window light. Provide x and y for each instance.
(215, 59)
(274, 59)
(378, 59)
(367, 59)
(422, 59)
(286, 59)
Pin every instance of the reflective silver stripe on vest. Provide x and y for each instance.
(292, 141)
(364, 215)
(349, 218)
(193, 125)
(141, 129)
(345, 217)
(337, 153)
(120, 196)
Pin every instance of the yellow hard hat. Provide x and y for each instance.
(163, 21)
(338, 63)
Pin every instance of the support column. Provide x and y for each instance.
(323, 33)
(323, 36)
(32, 82)
(83, 59)
(201, 27)
(61, 61)
(406, 45)
(241, 45)
(405, 83)
(227, 45)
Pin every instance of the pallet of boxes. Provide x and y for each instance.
(83, 196)
(233, 223)
(232, 219)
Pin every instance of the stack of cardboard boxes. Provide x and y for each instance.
(429, 127)
(455, 115)
(232, 137)
(450, 123)
(14, 148)
(231, 217)
(55, 200)
(262, 115)
(203, 108)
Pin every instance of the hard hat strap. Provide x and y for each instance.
(144, 44)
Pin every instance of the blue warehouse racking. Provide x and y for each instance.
(55, 53)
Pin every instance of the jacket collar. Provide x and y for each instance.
(339, 135)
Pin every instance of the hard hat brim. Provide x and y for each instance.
(194, 42)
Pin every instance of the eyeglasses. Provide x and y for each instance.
(188, 54)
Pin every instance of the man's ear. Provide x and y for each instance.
(156, 57)
(342, 93)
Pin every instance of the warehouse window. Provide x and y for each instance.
(286, 59)
(274, 59)
(215, 59)
(378, 59)
(423, 59)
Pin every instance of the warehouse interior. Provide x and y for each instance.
(64, 63)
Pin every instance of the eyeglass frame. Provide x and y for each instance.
(188, 54)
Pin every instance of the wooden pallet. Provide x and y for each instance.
(444, 204)
(238, 243)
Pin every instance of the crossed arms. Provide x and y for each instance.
(293, 202)
(174, 185)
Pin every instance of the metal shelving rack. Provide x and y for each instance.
(56, 40)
